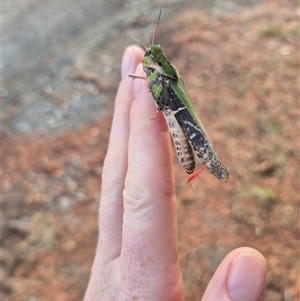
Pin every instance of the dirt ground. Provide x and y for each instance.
(242, 72)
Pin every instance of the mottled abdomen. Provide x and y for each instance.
(183, 149)
(201, 145)
(185, 154)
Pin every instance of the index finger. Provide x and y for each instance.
(149, 220)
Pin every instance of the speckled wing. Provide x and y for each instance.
(185, 114)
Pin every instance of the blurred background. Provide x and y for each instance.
(60, 71)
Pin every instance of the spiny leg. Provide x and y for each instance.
(156, 113)
(159, 108)
(195, 174)
(145, 78)
(136, 76)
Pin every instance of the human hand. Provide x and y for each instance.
(136, 256)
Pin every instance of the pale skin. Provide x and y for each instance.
(136, 256)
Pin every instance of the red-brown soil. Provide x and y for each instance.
(242, 73)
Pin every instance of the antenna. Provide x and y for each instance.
(127, 36)
(152, 42)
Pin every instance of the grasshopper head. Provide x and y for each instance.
(155, 60)
(152, 57)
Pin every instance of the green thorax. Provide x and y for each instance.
(155, 58)
(156, 64)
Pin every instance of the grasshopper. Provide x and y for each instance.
(170, 96)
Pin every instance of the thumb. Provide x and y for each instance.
(240, 276)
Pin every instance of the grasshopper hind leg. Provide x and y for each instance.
(195, 174)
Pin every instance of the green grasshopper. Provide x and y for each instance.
(170, 97)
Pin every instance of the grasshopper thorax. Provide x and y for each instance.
(152, 59)
(155, 60)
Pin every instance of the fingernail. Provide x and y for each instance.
(138, 82)
(127, 65)
(246, 280)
